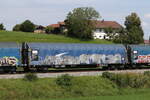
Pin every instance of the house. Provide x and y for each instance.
(39, 29)
(99, 32)
(58, 28)
(101, 27)
(63, 26)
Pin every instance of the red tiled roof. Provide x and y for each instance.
(107, 24)
(55, 25)
(98, 24)
(61, 23)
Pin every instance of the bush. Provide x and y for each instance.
(64, 81)
(109, 75)
(127, 80)
(147, 73)
(30, 77)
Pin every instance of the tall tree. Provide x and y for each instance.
(134, 29)
(27, 26)
(2, 27)
(80, 22)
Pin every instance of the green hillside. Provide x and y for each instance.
(9, 36)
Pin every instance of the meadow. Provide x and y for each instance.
(20, 89)
(145, 96)
(11, 36)
(71, 88)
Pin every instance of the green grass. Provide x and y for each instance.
(145, 96)
(83, 88)
(19, 89)
(9, 36)
(140, 94)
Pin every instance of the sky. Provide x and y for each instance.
(45, 12)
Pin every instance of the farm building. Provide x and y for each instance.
(98, 33)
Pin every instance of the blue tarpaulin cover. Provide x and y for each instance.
(140, 53)
(75, 53)
(9, 54)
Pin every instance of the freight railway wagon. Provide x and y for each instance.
(10, 56)
(42, 56)
(61, 55)
(139, 55)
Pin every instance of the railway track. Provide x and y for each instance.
(53, 74)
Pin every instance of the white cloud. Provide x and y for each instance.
(147, 15)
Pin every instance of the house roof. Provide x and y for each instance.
(55, 25)
(98, 24)
(107, 24)
(61, 23)
(39, 27)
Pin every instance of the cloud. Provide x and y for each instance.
(147, 15)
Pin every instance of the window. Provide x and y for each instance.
(134, 52)
(34, 55)
(97, 30)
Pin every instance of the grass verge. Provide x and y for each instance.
(75, 88)
(20, 89)
(9, 36)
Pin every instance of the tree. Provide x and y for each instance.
(80, 22)
(121, 37)
(27, 26)
(49, 29)
(134, 29)
(16, 27)
(2, 27)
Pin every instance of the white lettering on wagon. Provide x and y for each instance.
(8, 61)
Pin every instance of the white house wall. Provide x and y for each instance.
(100, 35)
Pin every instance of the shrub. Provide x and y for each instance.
(30, 77)
(147, 73)
(108, 75)
(64, 81)
(128, 80)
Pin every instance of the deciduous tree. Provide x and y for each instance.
(80, 22)
(2, 27)
(27, 26)
(49, 29)
(16, 27)
(134, 29)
